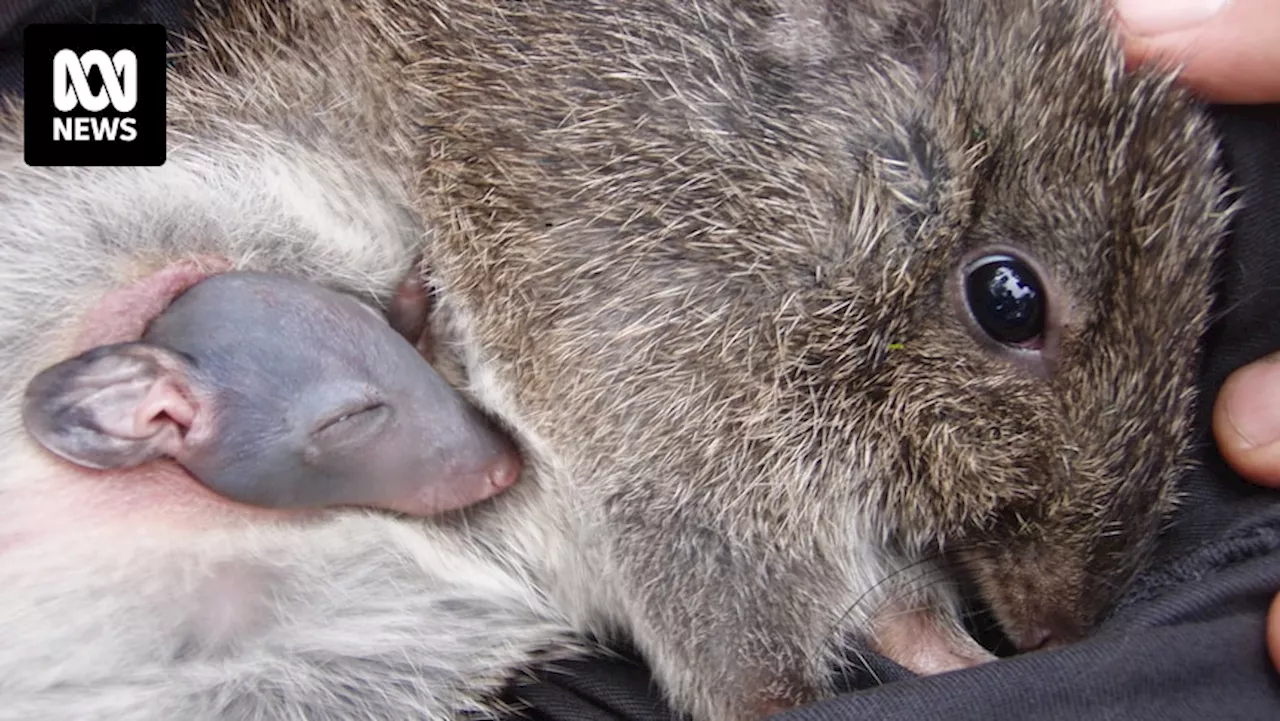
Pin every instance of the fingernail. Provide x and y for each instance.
(1157, 17)
(1253, 403)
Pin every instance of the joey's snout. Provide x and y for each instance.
(447, 453)
(503, 471)
(475, 462)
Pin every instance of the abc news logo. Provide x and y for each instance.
(95, 94)
(71, 90)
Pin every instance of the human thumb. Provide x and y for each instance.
(1246, 421)
(1228, 51)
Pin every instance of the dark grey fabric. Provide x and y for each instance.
(1185, 645)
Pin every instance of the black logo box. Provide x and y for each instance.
(42, 42)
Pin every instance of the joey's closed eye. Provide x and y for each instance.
(1006, 299)
(362, 414)
(348, 427)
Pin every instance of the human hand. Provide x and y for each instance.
(1229, 50)
(1246, 424)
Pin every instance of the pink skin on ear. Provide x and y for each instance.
(165, 414)
(116, 406)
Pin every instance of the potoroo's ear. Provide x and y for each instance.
(112, 407)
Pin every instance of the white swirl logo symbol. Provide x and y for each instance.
(119, 81)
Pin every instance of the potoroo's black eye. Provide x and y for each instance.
(1006, 299)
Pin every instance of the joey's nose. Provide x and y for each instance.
(504, 471)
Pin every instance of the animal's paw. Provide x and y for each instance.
(410, 310)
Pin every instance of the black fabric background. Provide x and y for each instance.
(1186, 643)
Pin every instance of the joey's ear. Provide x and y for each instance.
(112, 407)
